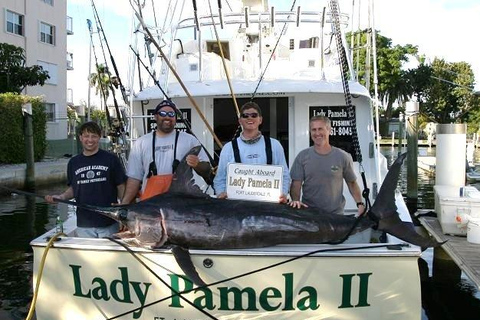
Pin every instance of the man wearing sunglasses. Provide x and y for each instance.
(155, 156)
(251, 148)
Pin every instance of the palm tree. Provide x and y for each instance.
(101, 81)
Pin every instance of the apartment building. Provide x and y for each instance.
(41, 27)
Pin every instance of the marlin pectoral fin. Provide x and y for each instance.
(185, 262)
(406, 231)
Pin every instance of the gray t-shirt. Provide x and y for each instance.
(141, 154)
(322, 177)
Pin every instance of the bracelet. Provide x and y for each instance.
(360, 204)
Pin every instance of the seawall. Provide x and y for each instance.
(46, 172)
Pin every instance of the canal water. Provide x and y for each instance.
(24, 218)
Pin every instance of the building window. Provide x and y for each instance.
(15, 23)
(47, 33)
(50, 2)
(52, 70)
(50, 111)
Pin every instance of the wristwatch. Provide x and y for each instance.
(360, 204)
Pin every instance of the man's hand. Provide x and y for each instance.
(361, 210)
(297, 204)
(222, 195)
(192, 160)
(51, 198)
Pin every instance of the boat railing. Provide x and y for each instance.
(247, 17)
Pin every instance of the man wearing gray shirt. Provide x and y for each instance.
(318, 173)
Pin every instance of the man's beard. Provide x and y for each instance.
(166, 128)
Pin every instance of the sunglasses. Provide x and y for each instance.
(170, 114)
(249, 115)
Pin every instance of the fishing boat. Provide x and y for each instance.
(294, 64)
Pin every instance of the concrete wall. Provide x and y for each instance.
(49, 172)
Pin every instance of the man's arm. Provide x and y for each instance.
(357, 195)
(121, 191)
(66, 195)
(131, 190)
(295, 190)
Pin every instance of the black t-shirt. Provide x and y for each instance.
(94, 180)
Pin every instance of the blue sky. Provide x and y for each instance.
(446, 29)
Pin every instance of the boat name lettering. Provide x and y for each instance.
(253, 183)
(118, 289)
(336, 114)
(233, 298)
(290, 297)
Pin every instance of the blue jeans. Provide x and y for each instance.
(96, 232)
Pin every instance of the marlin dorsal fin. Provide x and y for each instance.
(183, 180)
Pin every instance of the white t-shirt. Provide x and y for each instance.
(141, 154)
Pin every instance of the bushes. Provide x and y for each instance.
(12, 137)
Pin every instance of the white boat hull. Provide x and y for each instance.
(98, 279)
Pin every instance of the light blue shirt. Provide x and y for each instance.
(251, 154)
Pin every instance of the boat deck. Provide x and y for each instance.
(465, 254)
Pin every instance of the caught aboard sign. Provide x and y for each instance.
(254, 182)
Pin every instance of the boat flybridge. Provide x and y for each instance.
(294, 65)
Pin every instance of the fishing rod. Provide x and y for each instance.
(116, 128)
(185, 121)
(111, 82)
(100, 75)
(100, 28)
(172, 69)
(222, 55)
(26, 193)
(271, 55)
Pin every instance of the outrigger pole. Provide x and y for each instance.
(344, 68)
(221, 53)
(172, 69)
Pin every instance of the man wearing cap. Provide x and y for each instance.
(155, 156)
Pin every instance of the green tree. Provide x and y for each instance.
(14, 74)
(101, 81)
(449, 98)
(393, 82)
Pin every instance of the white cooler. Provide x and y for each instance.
(449, 204)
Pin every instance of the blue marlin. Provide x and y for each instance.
(187, 218)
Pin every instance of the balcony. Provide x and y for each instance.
(69, 25)
(70, 96)
(69, 61)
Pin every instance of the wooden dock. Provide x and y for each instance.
(465, 254)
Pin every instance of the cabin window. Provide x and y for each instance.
(15, 23)
(309, 43)
(212, 46)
